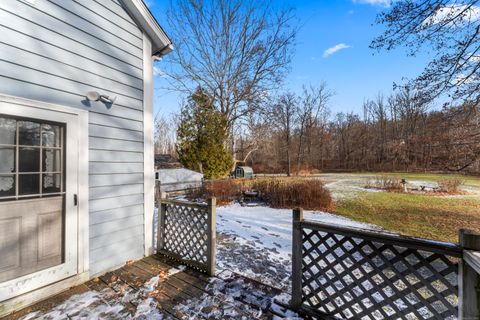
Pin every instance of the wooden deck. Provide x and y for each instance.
(178, 294)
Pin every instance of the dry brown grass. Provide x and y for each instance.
(450, 185)
(225, 190)
(385, 182)
(309, 194)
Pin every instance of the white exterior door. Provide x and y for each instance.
(39, 161)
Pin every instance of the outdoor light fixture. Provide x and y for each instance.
(95, 96)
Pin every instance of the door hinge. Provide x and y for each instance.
(75, 200)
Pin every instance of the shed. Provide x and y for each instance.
(243, 172)
(76, 136)
(178, 179)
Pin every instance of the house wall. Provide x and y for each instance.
(55, 51)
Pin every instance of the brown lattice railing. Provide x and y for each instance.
(186, 232)
(347, 273)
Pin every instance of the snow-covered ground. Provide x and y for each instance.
(257, 241)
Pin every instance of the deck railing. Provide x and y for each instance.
(187, 232)
(347, 273)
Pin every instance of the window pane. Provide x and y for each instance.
(28, 133)
(51, 160)
(29, 159)
(28, 184)
(50, 135)
(7, 160)
(51, 183)
(8, 129)
(7, 186)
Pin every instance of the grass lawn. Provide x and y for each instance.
(423, 216)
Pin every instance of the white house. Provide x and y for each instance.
(76, 141)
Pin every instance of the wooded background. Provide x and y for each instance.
(398, 132)
(395, 133)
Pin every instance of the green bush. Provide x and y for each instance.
(201, 135)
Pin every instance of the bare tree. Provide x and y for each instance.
(236, 50)
(312, 113)
(449, 29)
(283, 114)
(164, 135)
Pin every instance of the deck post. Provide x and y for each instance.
(161, 224)
(296, 301)
(211, 235)
(468, 278)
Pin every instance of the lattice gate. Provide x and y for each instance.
(187, 232)
(348, 273)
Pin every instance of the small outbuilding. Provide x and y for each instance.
(178, 179)
(243, 172)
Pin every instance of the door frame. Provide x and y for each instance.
(40, 110)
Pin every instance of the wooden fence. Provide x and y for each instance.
(187, 232)
(347, 273)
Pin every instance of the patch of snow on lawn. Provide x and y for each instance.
(257, 241)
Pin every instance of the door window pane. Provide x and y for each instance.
(50, 135)
(7, 186)
(28, 184)
(29, 159)
(32, 157)
(51, 183)
(8, 130)
(7, 160)
(51, 160)
(28, 133)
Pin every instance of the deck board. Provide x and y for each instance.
(177, 292)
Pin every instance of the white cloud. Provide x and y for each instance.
(327, 53)
(374, 2)
(463, 79)
(451, 11)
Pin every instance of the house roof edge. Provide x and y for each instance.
(161, 43)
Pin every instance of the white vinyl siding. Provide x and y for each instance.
(55, 51)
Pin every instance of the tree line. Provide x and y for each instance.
(297, 133)
(395, 132)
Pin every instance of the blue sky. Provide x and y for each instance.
(350, 68)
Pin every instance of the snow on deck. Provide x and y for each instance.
(157, 288)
